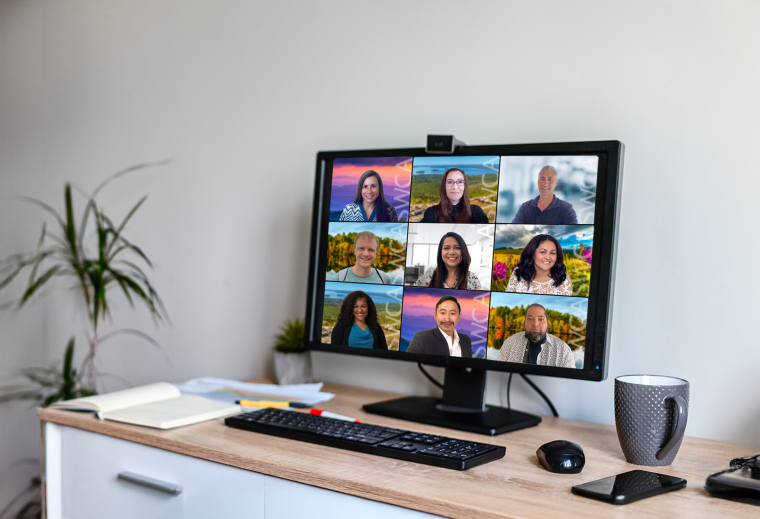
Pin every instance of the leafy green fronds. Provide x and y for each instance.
(64, 252)
(291, 338)
(49, 385)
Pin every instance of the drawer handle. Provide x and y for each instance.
(155, 484)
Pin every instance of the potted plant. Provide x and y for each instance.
(292, 361)
(95, 255)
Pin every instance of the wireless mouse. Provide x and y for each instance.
(561, 456)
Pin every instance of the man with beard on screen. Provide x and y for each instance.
(534, 345)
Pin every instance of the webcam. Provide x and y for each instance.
(442, 144)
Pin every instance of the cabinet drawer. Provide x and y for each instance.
(91, 463)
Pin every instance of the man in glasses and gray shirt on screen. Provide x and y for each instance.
(534, 345)
(546, 208)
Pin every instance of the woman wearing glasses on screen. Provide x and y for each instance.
(369, 202)
(452, 270)
(358, 325)
(541, 269)
(455, 202)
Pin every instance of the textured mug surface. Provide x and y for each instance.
(645, 416)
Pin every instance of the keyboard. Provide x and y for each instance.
(428, 449)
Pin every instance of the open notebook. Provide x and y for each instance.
(159, 405)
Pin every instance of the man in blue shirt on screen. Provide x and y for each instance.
(546, 208)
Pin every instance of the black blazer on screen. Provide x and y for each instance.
(432, 342)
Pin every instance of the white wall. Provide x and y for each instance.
(243, 95)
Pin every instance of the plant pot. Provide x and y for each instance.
(292, 368)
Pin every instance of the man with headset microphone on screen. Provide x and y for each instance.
(443, 340)
(534, 345)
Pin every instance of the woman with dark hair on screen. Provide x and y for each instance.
(369, 202)
(452, 270)
(455, 201)
(541, 269)
(357, 324)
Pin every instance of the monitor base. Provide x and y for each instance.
(491, 421)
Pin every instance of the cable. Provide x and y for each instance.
(509, 387)
(531, 384)
(431, 379)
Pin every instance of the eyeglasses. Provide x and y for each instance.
(459, 183)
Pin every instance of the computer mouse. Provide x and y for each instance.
(562, 457)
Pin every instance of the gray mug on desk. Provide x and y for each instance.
(650, 416)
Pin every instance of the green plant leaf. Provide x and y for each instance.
(88, 208)
(44, 206)
(117, 232)
(39, 282)
(129, 170)
(71, 232)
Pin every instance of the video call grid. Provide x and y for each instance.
(494, 225)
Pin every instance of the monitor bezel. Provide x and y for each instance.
(606, 219)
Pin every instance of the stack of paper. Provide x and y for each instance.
(231, 391)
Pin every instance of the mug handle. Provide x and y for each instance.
(682, 414)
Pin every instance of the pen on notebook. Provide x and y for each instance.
(270, 403)
(328, 414)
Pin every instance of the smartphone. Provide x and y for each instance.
(629, 486)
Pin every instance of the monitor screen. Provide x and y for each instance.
(494, 257)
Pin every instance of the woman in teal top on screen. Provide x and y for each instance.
(357, 324)
(369, 202)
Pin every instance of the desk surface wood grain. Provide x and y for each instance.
(513, 487)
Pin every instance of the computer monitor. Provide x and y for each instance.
(496, 257)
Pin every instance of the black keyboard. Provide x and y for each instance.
(428, 449)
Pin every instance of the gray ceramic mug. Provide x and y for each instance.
(650, 416)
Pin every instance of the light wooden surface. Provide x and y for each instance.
(514, 487)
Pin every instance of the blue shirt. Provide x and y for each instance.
(360, 339)
(559, 212)
(364, 214)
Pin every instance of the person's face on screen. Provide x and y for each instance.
(545, 256)
(370, 190)
(547, 181)
(536, 323)
(447, 316)
(454, 186)
(451, 252)
(365, 250)
(360, 310)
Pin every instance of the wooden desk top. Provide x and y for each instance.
(513, 487)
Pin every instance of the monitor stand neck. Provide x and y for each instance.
(462, 406)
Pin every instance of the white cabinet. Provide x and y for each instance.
(82, 470)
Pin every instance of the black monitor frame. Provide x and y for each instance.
(465, 377)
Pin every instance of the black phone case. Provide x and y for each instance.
(622, 499)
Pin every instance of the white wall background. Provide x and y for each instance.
(243, 95)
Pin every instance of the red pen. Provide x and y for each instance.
(328, 414)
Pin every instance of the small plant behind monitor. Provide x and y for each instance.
(292, 361)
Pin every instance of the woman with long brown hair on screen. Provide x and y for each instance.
(455, 202)
(452, 266)
(369, 202)
(358, 325)
(541, 269)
